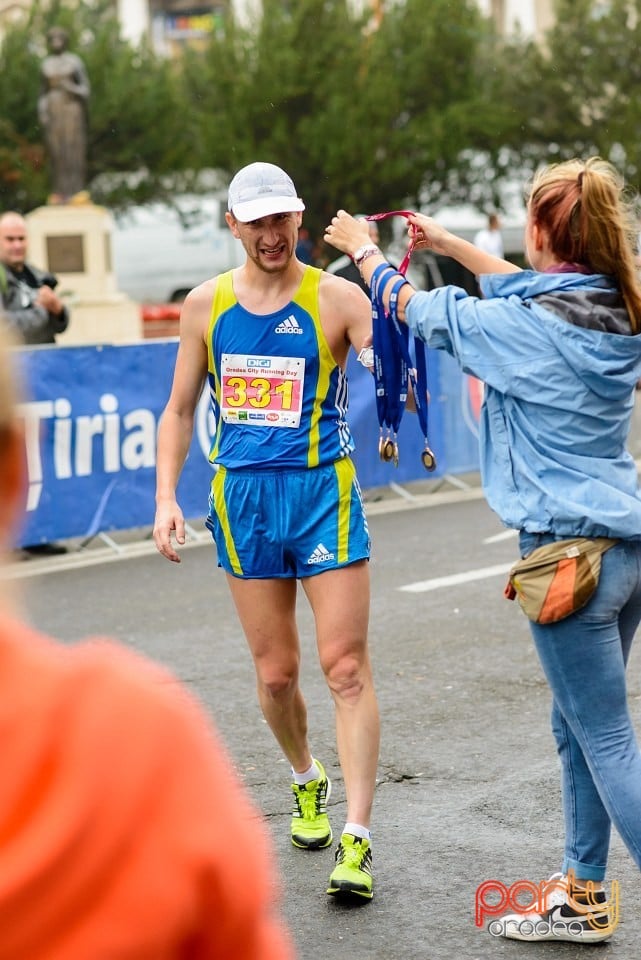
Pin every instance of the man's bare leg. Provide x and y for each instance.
(267, 613)
(340, 601)
(267, 610)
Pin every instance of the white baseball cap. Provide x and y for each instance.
(260, 190)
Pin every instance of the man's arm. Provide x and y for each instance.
(58, 313)
(346, 315)
(177, 422)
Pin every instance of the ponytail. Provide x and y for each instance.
(590, 222)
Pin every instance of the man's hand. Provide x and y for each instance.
(49, 300)
(346, 233)
(169, 518)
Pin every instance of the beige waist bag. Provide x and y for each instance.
(558, 578)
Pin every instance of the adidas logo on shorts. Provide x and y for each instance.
(290, 325)
(321, 555)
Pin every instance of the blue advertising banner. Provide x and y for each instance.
(91, 418)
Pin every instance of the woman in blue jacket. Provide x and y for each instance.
(559, 350)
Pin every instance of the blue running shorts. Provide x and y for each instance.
(288, 523)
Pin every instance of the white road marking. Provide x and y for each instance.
(499, 537)
(422, 586)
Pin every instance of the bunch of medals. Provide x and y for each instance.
(394, 370)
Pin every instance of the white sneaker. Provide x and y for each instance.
(570, 914)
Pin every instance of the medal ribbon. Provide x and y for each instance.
(396, 213)
(394, 369)
(391, 371)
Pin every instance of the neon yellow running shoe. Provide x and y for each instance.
(310, 823)
(352, 875)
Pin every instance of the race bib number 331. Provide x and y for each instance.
(261, 391)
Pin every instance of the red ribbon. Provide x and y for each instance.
(397, 213)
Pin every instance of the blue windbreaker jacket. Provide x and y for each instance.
(559, 394)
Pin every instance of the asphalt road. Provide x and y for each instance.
(468, 781)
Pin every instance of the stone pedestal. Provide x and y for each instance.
(74, 243)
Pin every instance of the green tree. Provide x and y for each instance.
(363, 118)
(598, 91)
(23, 177)
(427, 69)
(430, 107)
(281, 92)
(579, 93)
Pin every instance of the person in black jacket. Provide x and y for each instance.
(30, 305)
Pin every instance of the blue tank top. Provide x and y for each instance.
(278, 395)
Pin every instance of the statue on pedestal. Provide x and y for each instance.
(62, 111)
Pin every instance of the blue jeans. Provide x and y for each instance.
(584, 659)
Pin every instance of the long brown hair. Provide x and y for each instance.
(583, 207)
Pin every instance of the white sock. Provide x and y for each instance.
(313, 773)
(357, 831)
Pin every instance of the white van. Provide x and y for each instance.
(162, 251)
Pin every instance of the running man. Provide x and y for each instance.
(272, 339)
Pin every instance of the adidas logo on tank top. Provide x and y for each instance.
(290, 325)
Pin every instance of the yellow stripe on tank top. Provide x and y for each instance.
(345, 472)
(307, 298)
(220, 504)
(224, 297)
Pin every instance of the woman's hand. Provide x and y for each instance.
(347, 234)
(427, 233)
